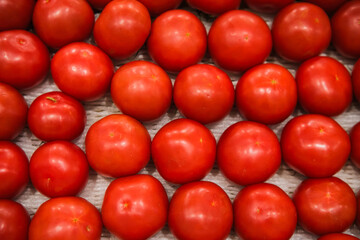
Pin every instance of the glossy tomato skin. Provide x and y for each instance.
(355, 77)
(264, 211)
(183, 151)
(135, 207)
(98, 4)
(214, 7)
(266, 93)
(346, 29)
(330, 6)
(324, 86)
(301, 31)
(58, 169)
(60, 22)
(82, 71)
(14, 220)
(171, 33)
(66, 218)
(14, 170)
(15, 14)
(155, 8)
(203, 93)
(117, 146)
(325, 205)
(56, 116)
(355, 145)
(200, 210)
(142, 90)
(268, 6)
(248, 153)
(13, 112)
(25, 60)
(337, 236)
(122, 28)
(239, 40)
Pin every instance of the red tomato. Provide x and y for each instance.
(122, 28)
(268, 6)
(346, 29)
(325, 205)
(355, 145)
(203, 93)
(214, 7)
(239, 40)
(357, 220)
(330, 6)
(301, 31)
(14, 170)
(15, 14)
(183, 151)
(98, 4)
(66, 218)
(13, 111)
(356, 80)
(60, 22)
(117, 146)
(200, 210)
(266, 93)
(315, 145)
(56, 116)
(177, 40)
(248, 153)
(324, 86)
(59, 168)
(264, 211)
(337, 236)
(142, 90)
(14, 220)
(159, 6)
(24, 59)
(135, 207)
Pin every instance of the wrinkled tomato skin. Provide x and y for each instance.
(329, 6)
(337, 236)
(355, 145)
(214, 7)
(355, 77)
(268, 6)
(15, 14)
(155, 8)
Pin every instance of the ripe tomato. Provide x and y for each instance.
(325, 205)
(13, 111)
(135, 207)
(346, 29)
(66, 218)
(60, 22)
(15, 14)
(122, 28)
(117, 146)
(59, 168)
(268, 6)
(355, 145)
(324, 86)
(315, 145)
(98, 4)
(301, 31)
(239, 40)
(142, 90)
(82, 71)
(214, 7)
(266, 93)
(157, 7)
(177, 40)
(24, 59)
(200, 210)
(248, 153)
(203, 93)
(183, 151)
(337, 236)
(357, 220)
(14, 220)
(330, 6)
(356, 80)
(14, 170)
(264, 211)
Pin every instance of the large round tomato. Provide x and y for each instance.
(24, 59)
(325, 205)
(117, 146)
(268, 6)
(214, 7)
(60, 22)
(266, 93)
(159, 6)
(337, 236)
(13, 112)
(355, 145)
(330, 6)
(59, 168)
(177, 40)
(15, 14)
(264, 211)
(203, 93)
(200, 210)
(66, 218)
(14, 170)
(239, 39)
(301, 31)
(142, 90)
(356, 80)
(122, 28)
(324, 86)
(315, 145)
(183, 151)
(135, 207)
